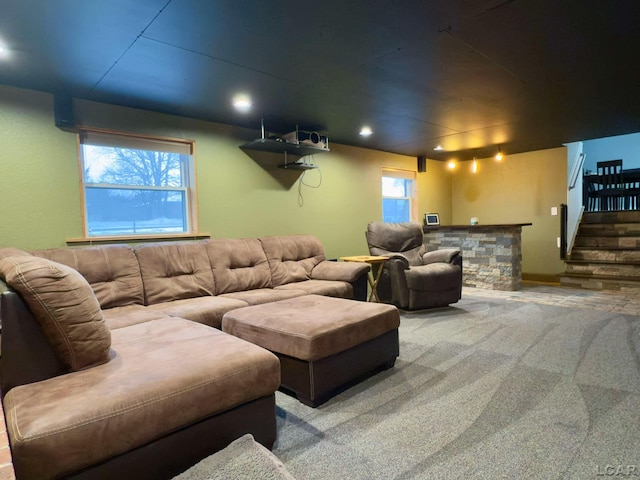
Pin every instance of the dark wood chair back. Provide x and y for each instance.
(610, 185)
(591, 201)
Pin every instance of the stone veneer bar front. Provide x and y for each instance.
(491, 254)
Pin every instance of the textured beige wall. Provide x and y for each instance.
(520, 189)
(434, 191)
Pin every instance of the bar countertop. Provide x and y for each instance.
(476, 226)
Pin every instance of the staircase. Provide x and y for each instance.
(606, 252)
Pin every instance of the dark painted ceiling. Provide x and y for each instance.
(470, 75)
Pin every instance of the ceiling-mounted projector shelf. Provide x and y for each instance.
(298, 143)
(280, 146)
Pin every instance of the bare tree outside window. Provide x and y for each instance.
(144, 167)
(133, 191)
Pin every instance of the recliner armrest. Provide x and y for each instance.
(399, 260)
(446, 255)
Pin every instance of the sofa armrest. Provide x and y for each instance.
(341, 271)
(446, 255)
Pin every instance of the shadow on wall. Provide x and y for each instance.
(270, 163)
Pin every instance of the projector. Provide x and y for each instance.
(306, 138)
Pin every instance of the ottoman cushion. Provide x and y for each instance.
(311, 327)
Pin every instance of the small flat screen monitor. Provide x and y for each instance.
(431, 219)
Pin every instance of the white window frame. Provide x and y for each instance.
(412, 198)
(144, 142)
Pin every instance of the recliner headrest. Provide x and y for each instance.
(395, 237)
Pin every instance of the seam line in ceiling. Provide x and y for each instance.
(448, 31)
(130, 45)
(218, 59)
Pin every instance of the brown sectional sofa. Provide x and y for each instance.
(116, 371)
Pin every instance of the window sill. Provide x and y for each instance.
(136, 238)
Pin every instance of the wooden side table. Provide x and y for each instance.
(376, 270)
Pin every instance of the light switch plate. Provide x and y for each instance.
(554, 210)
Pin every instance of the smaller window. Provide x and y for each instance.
(136, 186)
(398, 196)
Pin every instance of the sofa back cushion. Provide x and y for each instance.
(65, 306)
(238, 264)
(111, 270)
(291, 258)
(174, 271)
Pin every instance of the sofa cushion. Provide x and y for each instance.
(206, 310)
(65, 306)
(118, 317)
(111, 270)
(292, 258)
(329, 288)
(313, 326)
(265, 295)
(174, 271)
(165, 374)
(238, 264)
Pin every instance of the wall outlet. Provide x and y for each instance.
(554, 211)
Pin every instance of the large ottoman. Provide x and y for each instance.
(325, 344)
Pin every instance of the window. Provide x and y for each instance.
(135, 186)
(398, 195)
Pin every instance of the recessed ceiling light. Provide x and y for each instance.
(366, 131)
(438, 148)
(242, 102)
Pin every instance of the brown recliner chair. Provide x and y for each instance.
(414, 278)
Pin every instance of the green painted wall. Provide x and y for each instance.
(240, 194)
(244, 194)
(39, 183)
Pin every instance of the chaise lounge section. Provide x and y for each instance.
(142, 401)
